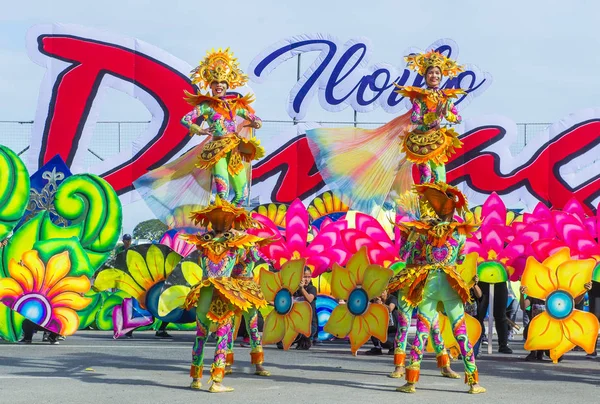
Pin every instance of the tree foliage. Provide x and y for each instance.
(150, 229)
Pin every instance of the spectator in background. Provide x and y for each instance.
(29, 328)
(594, 301)
(126, 239)
(308, 292)
(511, 311)
(499, 311)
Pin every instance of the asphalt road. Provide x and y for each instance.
(91, 367)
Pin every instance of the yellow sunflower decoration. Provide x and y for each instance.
(357, 285)
(559, 280)
(288, 318)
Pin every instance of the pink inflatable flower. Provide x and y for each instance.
(491, 243)
(320, 252)
(172, 239)
(381, 249)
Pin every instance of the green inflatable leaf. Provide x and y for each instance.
(104, 318)
(80, 264)
(14, 190)
(11, 324)
(87, 316)
(94, 210)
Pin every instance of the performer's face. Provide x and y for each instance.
(433, 77)
(222, 235)
(218, 88)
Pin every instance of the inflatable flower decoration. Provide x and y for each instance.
(44, 293)
(559, 280)
(497, 259)
(293, 243)
(142, 273)
(357, 285)
(288, 318)
(368, 232)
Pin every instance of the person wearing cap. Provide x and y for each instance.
(126, 239)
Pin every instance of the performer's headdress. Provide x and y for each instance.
(420, 62)
(219, 65)
(222, 216)
(440, 199)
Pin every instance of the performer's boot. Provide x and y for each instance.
(472, 379)
(229, 363)
(257, 358)
(216, 376)
(412, 377)
(196, 375)
(399, 358)
(443, 363)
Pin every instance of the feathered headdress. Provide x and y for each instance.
(420, 62)
(219, 65)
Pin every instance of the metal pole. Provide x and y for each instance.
(490, 318)
(525, 135)
(355, 115)
(298, 67)
(23, 151)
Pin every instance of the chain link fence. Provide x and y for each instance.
(110, 138)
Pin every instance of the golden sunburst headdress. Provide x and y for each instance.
(223, 215)
(219, 65)
(440, 199)
(420, 62)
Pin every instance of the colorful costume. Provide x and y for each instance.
(244, 272)
(223, 156)
(434, 243)
(366, 166)
(405, 310)
(218, 295)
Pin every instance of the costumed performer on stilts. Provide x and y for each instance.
(366, 166)
(428, 145)
(221, 159)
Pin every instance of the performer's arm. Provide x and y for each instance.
(452, 113)
(255, 121)
(189, 119)
(417, 113)
(252, 255)
(476, 289)
(405, 250)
